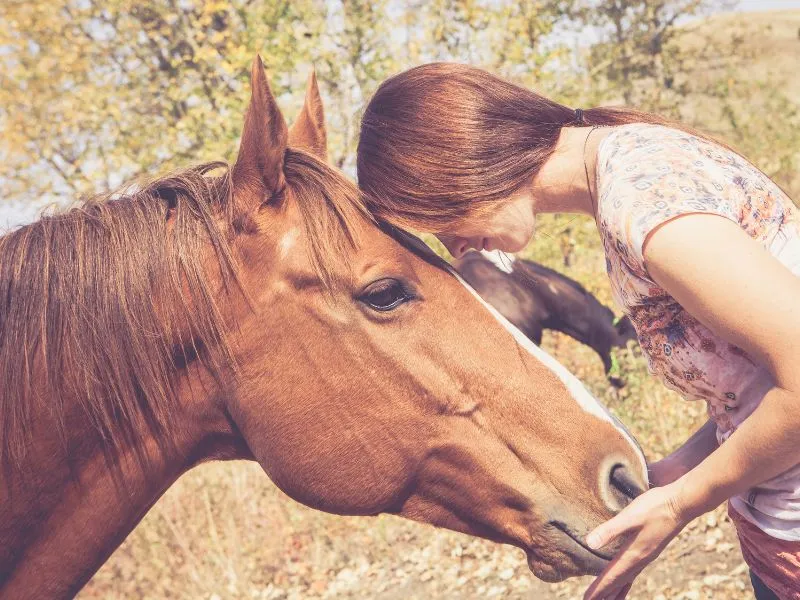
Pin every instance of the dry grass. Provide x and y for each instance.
(748, 91)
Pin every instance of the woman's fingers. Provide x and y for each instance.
(649, 523)
(616, 591)
(609, 531)
(615, 580)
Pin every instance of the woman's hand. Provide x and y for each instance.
(650, 522)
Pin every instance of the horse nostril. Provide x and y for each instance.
(622, 480)
(622, 486)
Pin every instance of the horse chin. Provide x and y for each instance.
(552, 574)
(549, 572)
(563, 566)
(546, 572)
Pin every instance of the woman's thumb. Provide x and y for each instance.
(605, 533)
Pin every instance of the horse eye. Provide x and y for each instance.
(385, 295)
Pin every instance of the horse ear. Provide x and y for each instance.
(259, 164)
(308, 131)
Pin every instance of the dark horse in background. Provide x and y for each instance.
(535, 298)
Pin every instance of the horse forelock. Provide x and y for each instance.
(332, 210)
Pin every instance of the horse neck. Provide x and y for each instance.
(61, 516)
(575, 311)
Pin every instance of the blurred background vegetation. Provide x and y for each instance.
(95, 92)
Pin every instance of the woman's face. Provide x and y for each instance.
(508, 228)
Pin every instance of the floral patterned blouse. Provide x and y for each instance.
(646, 176)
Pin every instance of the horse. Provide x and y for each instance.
(258, 312)
(534, 298)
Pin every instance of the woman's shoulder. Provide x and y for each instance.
(656, 143)
(649, 174)
(642, 156)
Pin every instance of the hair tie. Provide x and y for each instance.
(579, 116)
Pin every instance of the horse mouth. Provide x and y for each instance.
(591, 561)
(563, 528)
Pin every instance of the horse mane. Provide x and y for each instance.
(103, 303)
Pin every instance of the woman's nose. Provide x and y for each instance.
(455, 245)
(459, 247)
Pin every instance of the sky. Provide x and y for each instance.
(15, 214)
(757, 5)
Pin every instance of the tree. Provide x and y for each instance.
(94, 92)
(638, 53)
(354, 55)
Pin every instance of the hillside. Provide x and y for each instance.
(747, 88)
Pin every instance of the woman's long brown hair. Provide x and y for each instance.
(445, 141)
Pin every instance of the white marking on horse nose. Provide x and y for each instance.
(287, 242)
(578, 391)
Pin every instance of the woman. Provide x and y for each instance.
(703, 253)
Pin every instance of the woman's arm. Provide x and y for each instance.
(738, 290)
(702, 443)
(746, 296)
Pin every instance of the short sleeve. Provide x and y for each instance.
(650, 175)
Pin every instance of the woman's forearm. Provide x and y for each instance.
(693, 451)
(702, 443)
(766, 444)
